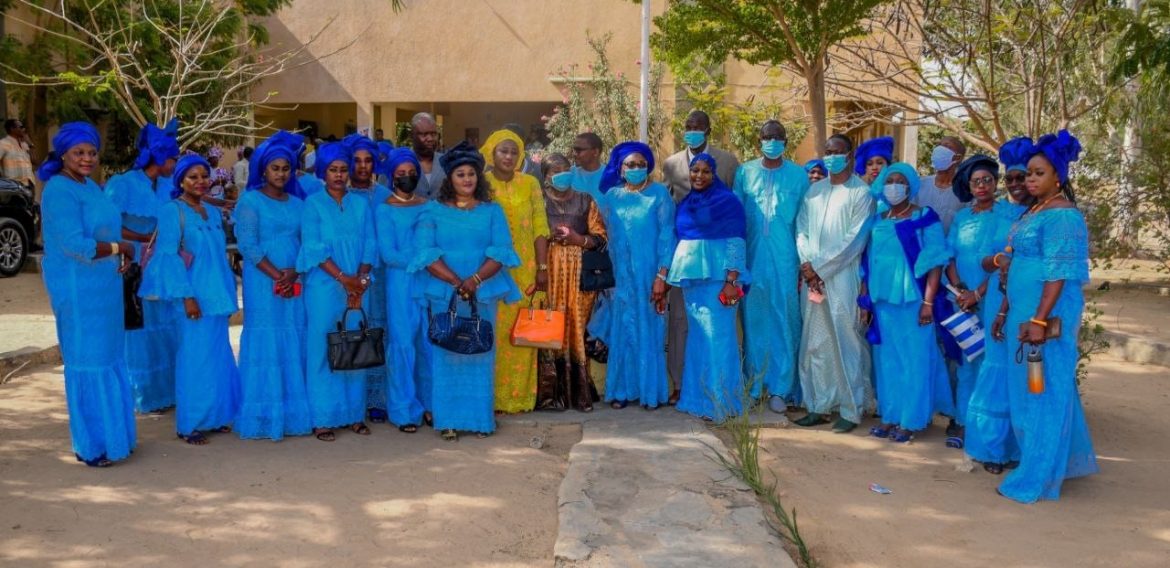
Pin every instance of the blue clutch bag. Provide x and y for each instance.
(459, 334)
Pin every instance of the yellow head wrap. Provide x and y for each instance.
(489, 146)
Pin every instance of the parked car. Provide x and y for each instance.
(19, 219)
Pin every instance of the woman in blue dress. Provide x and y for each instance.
(1049, 250)
(274, 402)
(190, 268)
(364, 160)
(710, 266)
(150, 350)
(462, 246)
(978, 231)
(84, 253)
(904, 263)
(338, 250)
(408, 378)
(639, 215)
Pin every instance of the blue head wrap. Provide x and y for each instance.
(357, 142)
(329, 153)
(1015, 153)
(157, 145)
(461, 155)
(814, 164)
(70, 135)
(397, 157)
(962, 184)
(1061, 149)
(185, 163)
(714, 213)
(907, 171)
(612, 176)
(283, 145)
(873, 147)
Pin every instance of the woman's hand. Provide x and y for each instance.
(468, 288)
(541, 281)
(1032, 333)
(731, 293)
(925, 314)
(284, 284)
(658, 294)
(1005, 261)
(997, 327)
(864, 317)
(968, 300)
(191, 306)
(353, 302)
(352, 284)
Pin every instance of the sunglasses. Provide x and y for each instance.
(983, 181)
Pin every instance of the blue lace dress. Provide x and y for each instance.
(463, 393)
(86, 296)
(641, 242)
(408, 374)
(1048, 246)
(274, 401)
(376, 376)
(910, 375)
(150, 351)
(344, 233)
(207, 381)
(712, 379)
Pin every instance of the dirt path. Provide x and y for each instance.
(389, 499)
(940, 516)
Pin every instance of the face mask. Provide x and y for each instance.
(772, 149)
(406, 184)
(561, 181)
(941, 157)
(895, 193)
(694, 138)
(836, 163)
(637, 176)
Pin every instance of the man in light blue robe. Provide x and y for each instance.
(772, 190)
(831, 233)
(587, 170)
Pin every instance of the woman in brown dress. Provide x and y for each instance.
(576, 226)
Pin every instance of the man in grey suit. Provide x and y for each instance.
(676, 171)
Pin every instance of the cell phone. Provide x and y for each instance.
(296, 289)
(723, 299)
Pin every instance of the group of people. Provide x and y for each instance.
(842, 268)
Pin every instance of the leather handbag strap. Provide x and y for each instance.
(345, 316)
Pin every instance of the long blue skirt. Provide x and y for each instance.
(376, 377)
(207, 381)
(338, 398)
(908, 367)
(274, 400)
(150, 357)
(989, 437)
(405, 359)
(464, 385)
(712, 379)
(966, 376)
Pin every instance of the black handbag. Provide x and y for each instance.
(351, 350)
(132, 317)
(596, 271)
(459, 334)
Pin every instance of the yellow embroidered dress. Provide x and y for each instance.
(523, 204)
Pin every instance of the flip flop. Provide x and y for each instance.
(195, 439)
(360, 428)
(901, 436)
(324, 434)
(449, 435)
(955, 442)
(993, 468)
(408, 428)
(618, 404)
(882, 431)
(100, 461)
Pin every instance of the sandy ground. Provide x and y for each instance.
(941, 516)
(390, 499)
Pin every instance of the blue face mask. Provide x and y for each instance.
(772, 149)
(637, 176)
(694, 138)
(561, 181)
(836, 163)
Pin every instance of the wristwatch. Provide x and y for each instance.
(542, 267)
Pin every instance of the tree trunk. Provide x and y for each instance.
(815, 77)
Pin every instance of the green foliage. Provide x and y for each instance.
(1090, 339)
(604, 102)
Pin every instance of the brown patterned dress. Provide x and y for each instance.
(563, 378)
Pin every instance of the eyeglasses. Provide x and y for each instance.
(985, 180)
(636, 165)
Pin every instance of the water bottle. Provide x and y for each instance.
(1035, 370)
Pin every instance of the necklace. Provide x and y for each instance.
(402, 199)
(901, 213)
(1040, 206)
(464, 204)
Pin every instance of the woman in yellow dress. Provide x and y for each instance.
(523, 202)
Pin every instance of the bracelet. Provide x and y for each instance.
(660, 276)
(114, 248)
(477, 279)
(995, 259)
(1039, 322)
(585, 242)
(925, 303)
(1001, 315)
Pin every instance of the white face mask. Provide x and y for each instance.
(942, 157)
(895, 193)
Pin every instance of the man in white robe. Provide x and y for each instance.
(832, 230)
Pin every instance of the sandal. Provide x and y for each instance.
(223, 430)
(99, 461)
(377, 415)
(882, 431)
(953, 429)
(195, 439)
(449, 435)
(429, 419)
(901, 436)
(482, 435)
(812, 419)
(618, 404)
(955, 442)
(360, 428)
(324, 434)
(408, 428)
(993, 468)
(586, 408)
(674, 396)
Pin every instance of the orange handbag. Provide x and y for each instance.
(539, 327)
